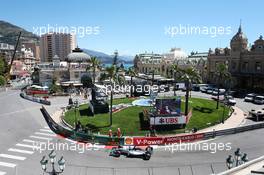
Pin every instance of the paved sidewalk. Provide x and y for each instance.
(246, 168)
(237, 118)
(57, 115)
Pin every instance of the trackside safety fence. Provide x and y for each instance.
(34, 99)
(102, 139)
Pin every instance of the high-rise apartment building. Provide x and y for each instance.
(60, 44)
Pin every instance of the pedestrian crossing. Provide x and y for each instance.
(20, 151)
(46, 130)
(45, 134)
(6, 164)
(12, 157)
(41, 138)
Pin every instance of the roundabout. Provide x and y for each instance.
(204, 115)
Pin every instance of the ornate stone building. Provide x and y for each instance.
(246, 64)
(162, 64)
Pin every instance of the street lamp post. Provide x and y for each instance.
(239, 159)
(76, 105)
(52, 157)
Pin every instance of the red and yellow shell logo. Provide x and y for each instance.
(128, 141)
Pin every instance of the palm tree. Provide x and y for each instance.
(112, 73)
(176, 70)
(115, 59)
(222, 75)
(189, 75)
(132, 73)
(95, 65)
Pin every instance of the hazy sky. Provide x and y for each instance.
(134, 26)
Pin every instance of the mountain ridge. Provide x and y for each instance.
(9, 33)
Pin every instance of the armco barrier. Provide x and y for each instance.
(140, 141)
(211, 134)
(78, 136)
(34, 99)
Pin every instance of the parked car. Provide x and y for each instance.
(203, 89)
(209, 90)
(195, 87)
(259, 100)
(221, 92)
(250, 97)
(133, 152)
(230, 100)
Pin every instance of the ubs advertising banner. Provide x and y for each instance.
(168, 120)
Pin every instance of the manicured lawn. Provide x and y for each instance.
(122, 100)
(204, 115)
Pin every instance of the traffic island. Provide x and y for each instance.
(129, 121)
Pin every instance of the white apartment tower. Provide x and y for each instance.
(60, 44)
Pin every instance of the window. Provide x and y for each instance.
(258, 66)
(76, 74)
(233, 65)
(245, 66)
(216, 64)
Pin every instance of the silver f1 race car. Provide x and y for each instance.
(132, 152)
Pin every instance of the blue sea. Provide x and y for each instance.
(126, 66)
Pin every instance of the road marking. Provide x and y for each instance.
(46, 130)
(20, 151)
(33, 141)
(46, 127)
(45, 134)
(11, 165)
(42, 138)
(2, 173)
(72, 141)
(29, 141)
(12, 157)
(27, 146)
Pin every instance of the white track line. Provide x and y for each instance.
(45, 134)
(29, 141)
(2, 173)
(42, 138)
(46, 130)
(12, 157)
(72, 141)
(33, 141)
(20, 151)
(27, 146)
(11, 165)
